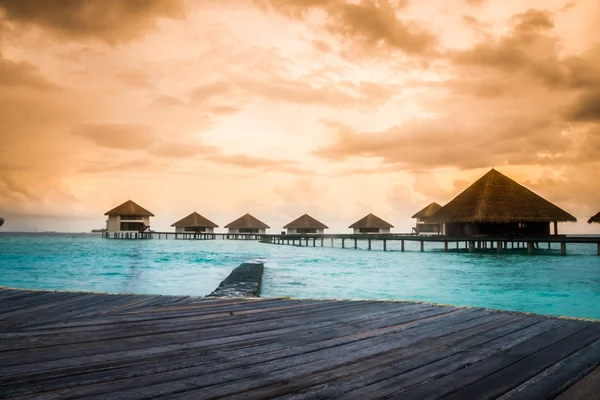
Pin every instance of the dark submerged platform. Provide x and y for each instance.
(70, 345)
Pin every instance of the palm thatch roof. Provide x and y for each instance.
(306, 221)
(371, 221)
(428, 211)
(495, 198)
(130, 208)
(247, 221)
(195, 220)
(595, 218)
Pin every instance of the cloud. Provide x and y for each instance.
(181, 149)
(109, 21)
(367, 24)
(118, 136)
(251, 162)
(23, 75)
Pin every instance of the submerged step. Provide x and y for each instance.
(244, 281)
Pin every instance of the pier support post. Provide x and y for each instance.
(599, 248)
(471, 247)
(529, 247)
(331, 242)
(355, 243)
(422, 245)
(445, 246)
(548, 245)
(499, 246)
(314, 242)
(369, 244)
(563, 249)
(385, 246)
(306, 242)
(321, 242)
(402, 245)
(343, 243)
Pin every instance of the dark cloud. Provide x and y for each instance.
(23, 75)
(367, 24)
(587, 107)
(448, 142)
(110, 21)
(116, 135)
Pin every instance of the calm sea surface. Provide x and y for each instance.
(543, 283)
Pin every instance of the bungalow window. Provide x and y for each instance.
(306, 230)
(131, 217)
(194, 229)
(131, 226)
(369, 230)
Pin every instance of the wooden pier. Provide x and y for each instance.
(182, 235)
(499, 244)
(70, 345)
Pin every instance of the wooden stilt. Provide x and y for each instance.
(422, 245)
(343, 243)
(471, 246)
(499, 246)
(355, 244)
(385, 245)
(529, 247)
(402, 245)
(445, 246)
(369, 244)
(563, 249)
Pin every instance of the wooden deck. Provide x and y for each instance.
(59, 345)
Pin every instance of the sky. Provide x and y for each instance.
(335, 108)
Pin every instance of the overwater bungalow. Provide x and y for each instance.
(128, 217)
(247, 224)
(195, 223)
(594, 219)
(422, 225)
(305, 224)
(371, 224)
(496, 205)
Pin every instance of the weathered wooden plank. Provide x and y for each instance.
(512, 376)
(20, 362)
(560, 376)
(173, 328)
(41, 303)
(585, 389)
(358, 367)
(186, 360)
(321, 356)
(498, 360)
(409, 374)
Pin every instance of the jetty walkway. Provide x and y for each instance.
(70, 345)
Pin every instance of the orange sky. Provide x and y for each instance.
(280, 107)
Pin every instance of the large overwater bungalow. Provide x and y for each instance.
(496, 205)
(305, 224)
(247, 224)
(371, 224)
(195, 223)
(594, 219)
(422, 225)
(128, 217)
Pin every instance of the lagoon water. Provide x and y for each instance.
(541, 283)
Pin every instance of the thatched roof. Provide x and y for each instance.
(195, 220)
(130, 208)
(496, 198)
(595, 218)
(247, 221)
(371, 221)
(428, 211)
(306, 221)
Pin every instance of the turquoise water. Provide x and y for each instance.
(542, 283)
